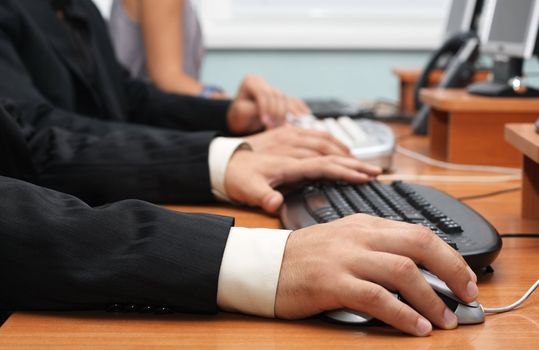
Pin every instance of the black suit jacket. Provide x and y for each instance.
(58, 253)
(40, 70)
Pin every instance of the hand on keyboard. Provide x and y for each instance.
(296, 142)
(367, 140)
(352, 263)
(251, 178)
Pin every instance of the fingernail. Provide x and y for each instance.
(266, 119)
(274, 202)
(472, 289)
(423, 327)
(450, 319)
(377, 170)
(472, 274)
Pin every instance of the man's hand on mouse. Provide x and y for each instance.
(353, 262)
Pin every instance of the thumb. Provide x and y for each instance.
(260, 193)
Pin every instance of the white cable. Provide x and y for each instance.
(498, 310)
(450, 178)
(452, 166)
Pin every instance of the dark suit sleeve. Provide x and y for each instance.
(58, 253)
(103, 162)
(150, 106)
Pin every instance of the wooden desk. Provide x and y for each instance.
(469, 129)
(515, 270)
(524, 138)
(408, 78)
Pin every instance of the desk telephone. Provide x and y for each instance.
(460, 53)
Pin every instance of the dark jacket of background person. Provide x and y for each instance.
(56, 66)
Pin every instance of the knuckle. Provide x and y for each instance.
(405, 267)
(460, 267)
(332, 158)
(423, 237)
(372, 295)
(400, 313)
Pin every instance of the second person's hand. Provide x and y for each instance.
(253, 178)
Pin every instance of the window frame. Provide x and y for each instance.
(416, 31)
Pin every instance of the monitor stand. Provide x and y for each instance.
(506, 81)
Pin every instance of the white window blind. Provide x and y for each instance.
(337, 24)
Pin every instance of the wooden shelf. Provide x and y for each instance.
(469, 129)
(524, 138)
(408, 78)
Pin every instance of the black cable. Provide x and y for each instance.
(490, 194)
(520, 235)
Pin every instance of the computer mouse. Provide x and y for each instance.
(467, 313)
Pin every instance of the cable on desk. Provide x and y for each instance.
(519, 235)
(490, 194)
(405, 136)
(450, 178)
(452, 166)
(498, 310)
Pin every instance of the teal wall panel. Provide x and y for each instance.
(350, 75)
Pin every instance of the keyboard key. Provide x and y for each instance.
(335, 129)
(377, 203)
(338, 201)
(355, 201)
(359, 137)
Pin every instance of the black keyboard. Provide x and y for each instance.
(454, 222)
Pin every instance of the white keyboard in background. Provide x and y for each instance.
(369, 141)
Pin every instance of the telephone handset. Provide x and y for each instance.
(463, 50)
(443, 55)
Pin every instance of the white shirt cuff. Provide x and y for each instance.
(221, 150)
(250, 270)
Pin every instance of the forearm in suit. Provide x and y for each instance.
(153, 107)
(58, 253)
(103, 162)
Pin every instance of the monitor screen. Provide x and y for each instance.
(460, 16)
(511, 21)
(510, 27)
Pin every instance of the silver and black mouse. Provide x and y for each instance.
(467, 313)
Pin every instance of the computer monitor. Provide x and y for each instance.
(509, 33)
(460, 17)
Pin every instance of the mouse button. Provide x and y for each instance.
(440, 287)
(435, 282)
(451, 303)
